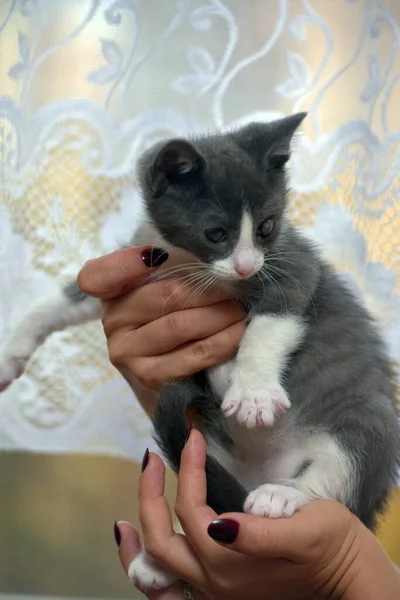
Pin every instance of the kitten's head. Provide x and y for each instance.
(221, 197)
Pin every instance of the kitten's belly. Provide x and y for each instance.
(262, 455)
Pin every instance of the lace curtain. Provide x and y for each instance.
(85, 85)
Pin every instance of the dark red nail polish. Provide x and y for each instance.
(154, 257)
(145, 460)
(189, 431)
(223, 530)
(117, 534)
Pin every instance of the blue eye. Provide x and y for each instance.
(217, 235)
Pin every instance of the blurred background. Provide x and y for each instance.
(85, 85)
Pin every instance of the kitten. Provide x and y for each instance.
(307, 407)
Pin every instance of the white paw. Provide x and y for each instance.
(255, 408)
(13, 360)
(274, 501)
(147, 574)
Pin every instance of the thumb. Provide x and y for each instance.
(128, 543)
(261, 537)
(119, 272)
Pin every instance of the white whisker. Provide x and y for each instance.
(296, 281)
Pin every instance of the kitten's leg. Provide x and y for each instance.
(69, 307)
(220, 377)
(256, 394)
(327, 473)
(148, 574)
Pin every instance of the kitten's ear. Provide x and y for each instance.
(279, 153)
(269, 143)
(173, 162)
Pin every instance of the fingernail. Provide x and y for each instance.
(223, 530)
(145, 460)
(154, 257)
(117, 534)
(189, 431)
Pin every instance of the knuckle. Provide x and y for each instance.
(167, 289)
(143, 370)
(107, 319)
(117, 351)
(174, 324)
(204, 350)
(119, 314)
(117, 359)
(171, 289)
(139, 369)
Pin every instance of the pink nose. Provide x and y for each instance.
(244, 271)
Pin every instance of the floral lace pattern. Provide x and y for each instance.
(86, 85)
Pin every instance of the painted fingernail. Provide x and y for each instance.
(154, 257)
(145, 460)
(189, 431)
(223, 530)
(117, 534)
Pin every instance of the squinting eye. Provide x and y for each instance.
(216, 235)
(266, 228)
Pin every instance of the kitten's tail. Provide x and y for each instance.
(224, 492)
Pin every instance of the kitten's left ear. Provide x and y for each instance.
(174, 161)
(269, 143)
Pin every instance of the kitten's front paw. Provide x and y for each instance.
(148, 574)
(274, 501)
(255, 408)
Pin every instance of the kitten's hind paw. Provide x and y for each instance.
(12, 366)
(147, 574)
(274, 501)
(255, 408)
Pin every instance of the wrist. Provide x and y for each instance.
(367, 572)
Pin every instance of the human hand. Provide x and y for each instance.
(128, 542)
(320, 552)
(160, 331)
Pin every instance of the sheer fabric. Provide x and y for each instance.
(86, 85)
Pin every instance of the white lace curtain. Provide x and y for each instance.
(85, 85)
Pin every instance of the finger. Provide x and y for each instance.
(191, 500)
(129, 545)
(183, 326)
(119, 272)
(192, 481)
(161, 542)
(286, 538)
(154, 371)
(153, 301)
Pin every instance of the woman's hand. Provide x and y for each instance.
(321, 552)
(128, 542)
(160, 331)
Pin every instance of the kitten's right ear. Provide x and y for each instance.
(269, 143)
(173, 163)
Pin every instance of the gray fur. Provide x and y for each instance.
(72, 291)
(339, 381)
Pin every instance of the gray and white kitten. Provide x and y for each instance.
(307, 408)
